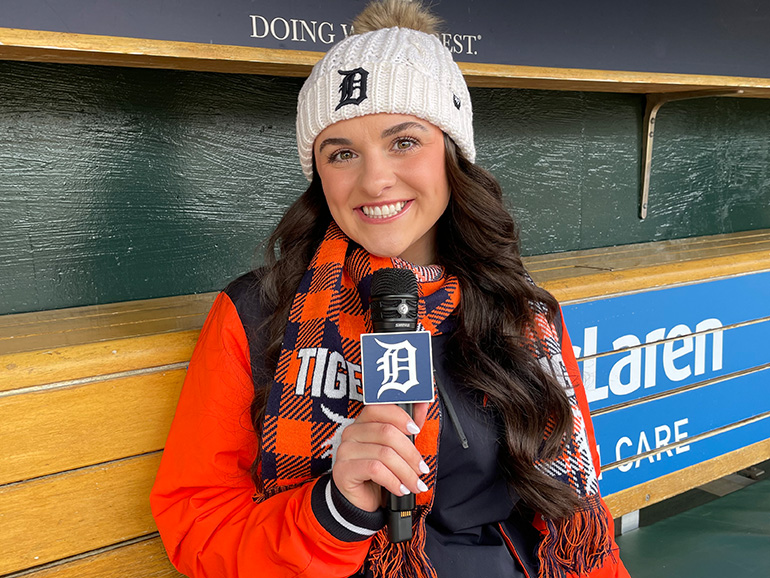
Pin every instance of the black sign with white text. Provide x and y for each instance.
(714, 37)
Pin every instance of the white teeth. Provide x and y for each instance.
(383, 211)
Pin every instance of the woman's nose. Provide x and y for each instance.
(377, 175)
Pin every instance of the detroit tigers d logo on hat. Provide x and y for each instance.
(352, 87)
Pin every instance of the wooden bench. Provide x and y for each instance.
(86, 400)
(87, 396)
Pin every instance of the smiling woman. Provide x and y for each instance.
(274, 466)
(384, 180)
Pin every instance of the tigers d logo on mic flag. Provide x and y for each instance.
(397, 367)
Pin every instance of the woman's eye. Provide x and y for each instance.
(404, 144)
(340, 156)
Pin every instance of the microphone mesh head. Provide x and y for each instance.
(394, 282)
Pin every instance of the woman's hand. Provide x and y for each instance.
(375, 453)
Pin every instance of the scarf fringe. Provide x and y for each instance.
(405, 559)
(578, 544)
(260, 497)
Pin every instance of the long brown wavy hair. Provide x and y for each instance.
(478, 241)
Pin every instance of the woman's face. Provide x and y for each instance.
(385, 182)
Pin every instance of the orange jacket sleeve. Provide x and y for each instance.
(202, 497)
(613, 567)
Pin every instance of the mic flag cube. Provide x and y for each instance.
(397, 367)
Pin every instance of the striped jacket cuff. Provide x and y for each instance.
(339, 517)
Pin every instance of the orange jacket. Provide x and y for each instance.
(202, 497)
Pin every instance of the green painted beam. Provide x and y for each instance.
(119, 183)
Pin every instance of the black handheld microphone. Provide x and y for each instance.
(393, 307)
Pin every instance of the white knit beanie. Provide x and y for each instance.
(392, 70)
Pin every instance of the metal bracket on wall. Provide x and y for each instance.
(654, 102)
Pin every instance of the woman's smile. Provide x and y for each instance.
(381, 212)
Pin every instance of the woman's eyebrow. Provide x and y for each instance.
(401, 127)
(334, 141)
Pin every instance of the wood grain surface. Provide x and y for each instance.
(61, 364)
(55, 517)
(48, 432)
(601, 272)
(102, 322)
(144, 559)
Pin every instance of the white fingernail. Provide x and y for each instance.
(405, 490)
(424, 467)
(412, 428)
(421, 486)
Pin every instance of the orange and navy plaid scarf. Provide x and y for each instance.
(317, 392)
(576, 545)
(317, 385)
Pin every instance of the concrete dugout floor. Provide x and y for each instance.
(728, 537)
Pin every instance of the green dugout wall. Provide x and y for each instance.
(121, 184)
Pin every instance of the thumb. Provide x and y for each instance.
(419, 413)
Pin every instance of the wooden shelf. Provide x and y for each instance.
(492, 75)
(59, 47)
(607, 271)
(78, 326)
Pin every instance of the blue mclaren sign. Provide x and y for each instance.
(667, 366)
